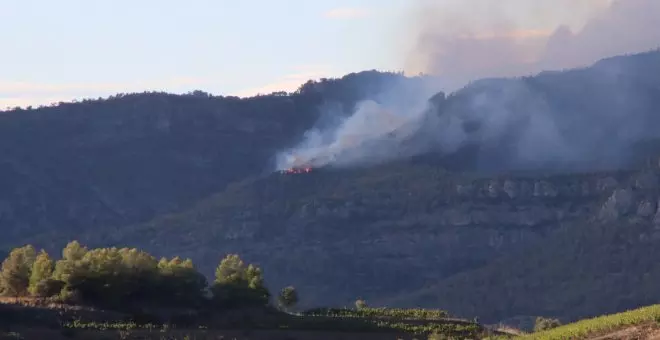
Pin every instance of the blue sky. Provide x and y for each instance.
(65, 49)
(83, 48)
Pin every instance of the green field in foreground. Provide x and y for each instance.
(596, 325)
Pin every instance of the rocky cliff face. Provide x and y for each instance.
(593, 255)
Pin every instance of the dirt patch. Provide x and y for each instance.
(649, 331)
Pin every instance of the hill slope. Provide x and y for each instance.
(126, 159)
(640, 324)
(557, 245)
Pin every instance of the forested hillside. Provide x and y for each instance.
(122, 160)
(515, 219)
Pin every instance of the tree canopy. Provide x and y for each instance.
(122, 278)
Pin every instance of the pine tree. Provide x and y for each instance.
(42, 272)
(231, 270)
(72, 254)
(16, 271)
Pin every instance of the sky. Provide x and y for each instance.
(71, 49)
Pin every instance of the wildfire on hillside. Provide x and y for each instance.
(297, 171)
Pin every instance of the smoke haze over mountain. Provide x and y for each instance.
(461, 41)
(522, 124)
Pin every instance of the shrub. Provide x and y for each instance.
(360, 304)
(544, 324)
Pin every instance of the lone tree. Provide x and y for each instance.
(238, 285)
(288, 297)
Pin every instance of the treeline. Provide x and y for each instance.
(126, 278)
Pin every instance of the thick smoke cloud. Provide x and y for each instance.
(517, 126)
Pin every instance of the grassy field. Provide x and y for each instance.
(321, 324)
(309, 329)
(600, 325)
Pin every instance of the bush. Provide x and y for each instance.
(360, 304)
(544, 324)
(71, 297)
(288, 297)
(47, 288)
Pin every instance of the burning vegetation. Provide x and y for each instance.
(296, 165)
(297, 171)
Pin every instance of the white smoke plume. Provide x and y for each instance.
(373, 133)
(460, 41)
